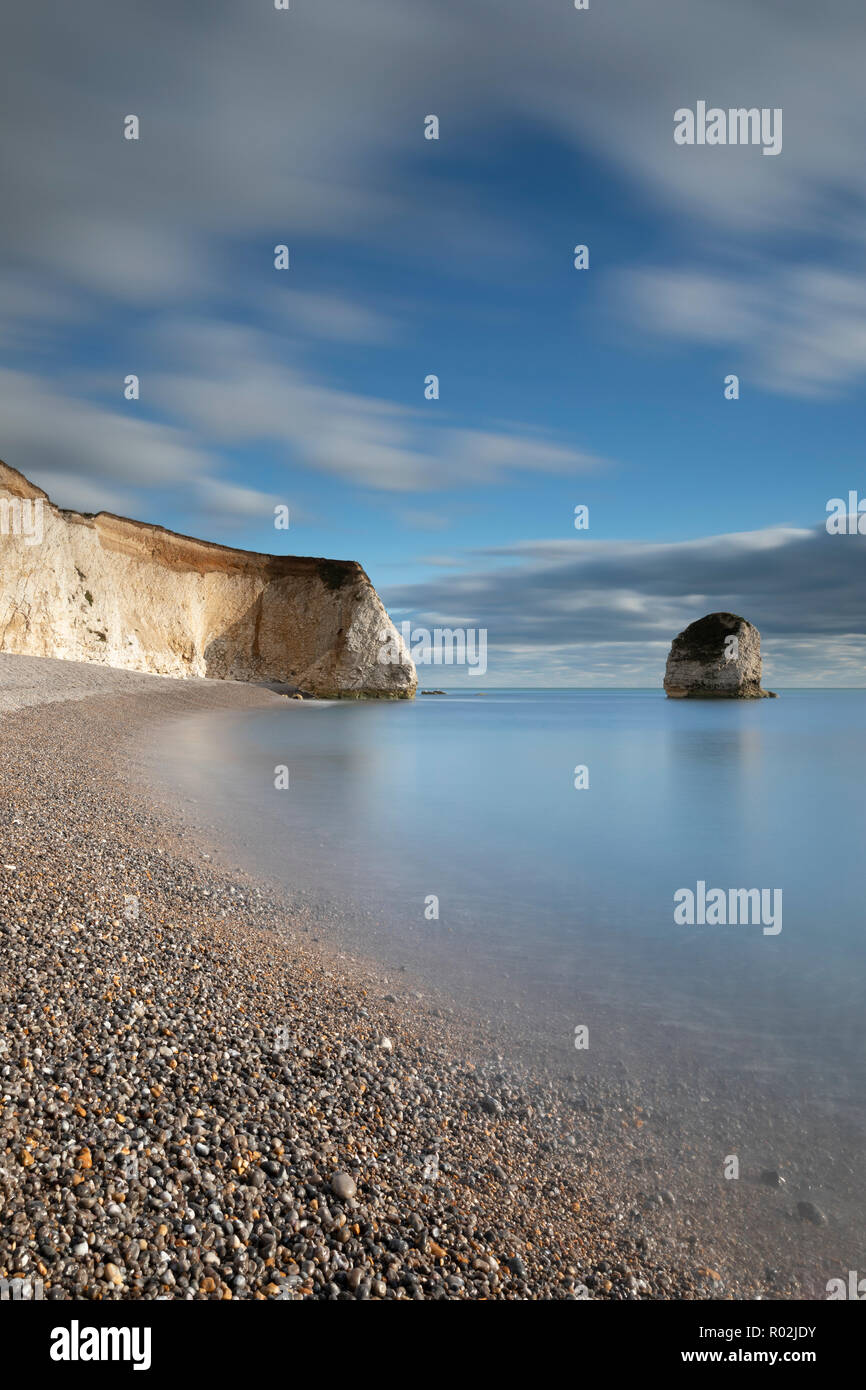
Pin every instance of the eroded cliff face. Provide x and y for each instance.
(123, 593)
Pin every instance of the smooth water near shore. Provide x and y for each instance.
(556, 898)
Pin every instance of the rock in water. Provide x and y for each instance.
(718, 657)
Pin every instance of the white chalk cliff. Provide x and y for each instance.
(124, 593)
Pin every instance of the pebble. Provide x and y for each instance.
(772, 1178)
(807, 1211)
(156, 1146)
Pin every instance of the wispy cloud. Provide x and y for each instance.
(332, 317)
(230, 502)
(800, 331)
(247, 396)
(223, 157)
(76, 443)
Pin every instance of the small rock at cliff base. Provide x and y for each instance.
(717, 657)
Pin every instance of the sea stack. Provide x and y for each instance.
(716, 658)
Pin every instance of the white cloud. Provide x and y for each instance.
(259, 123)
(46, 431)
(230, 502)
(228, 386)
(798, 331)
(329, 316)
(78, 493)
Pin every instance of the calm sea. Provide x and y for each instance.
(448, 834)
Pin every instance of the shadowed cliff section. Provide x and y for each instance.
(126, 593)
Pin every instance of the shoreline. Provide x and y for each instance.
(242, 1065)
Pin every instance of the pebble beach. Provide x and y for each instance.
(198, 1101)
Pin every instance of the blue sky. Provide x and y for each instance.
(454, 257)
